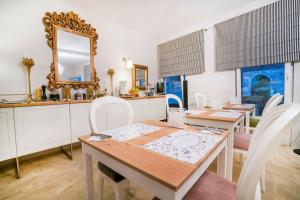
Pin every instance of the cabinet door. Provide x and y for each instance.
(7, 134)
(148, 109)
(80, 120)
(42, 127)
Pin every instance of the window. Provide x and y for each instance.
(260, 83)
(173, 86)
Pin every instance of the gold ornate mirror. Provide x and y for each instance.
(74, 44)
(139, 76)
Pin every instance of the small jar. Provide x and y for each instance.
(38, 94)
(67, 92)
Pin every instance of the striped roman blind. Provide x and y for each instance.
(183, 55)
(267, 35)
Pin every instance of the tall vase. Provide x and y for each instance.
(29, 97)
(112, 86)
(28, 62)
(111, 73)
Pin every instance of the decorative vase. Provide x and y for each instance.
(28, 63)
(111, 73)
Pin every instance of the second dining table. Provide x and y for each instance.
(219, 119)
(248, 109)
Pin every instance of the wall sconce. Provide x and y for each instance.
(127, 63)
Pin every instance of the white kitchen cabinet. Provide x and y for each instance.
(7, 134)
(30, 129)
(41, 127)
(79, 120)
(148, 109)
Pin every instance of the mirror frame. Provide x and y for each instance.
(136, 66)
(72, 23)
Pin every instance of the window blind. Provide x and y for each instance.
(184, 55)
(267, 35)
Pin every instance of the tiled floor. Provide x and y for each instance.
(55, 177)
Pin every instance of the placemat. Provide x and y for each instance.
(184, 145)
(130, 131)
(226, 114)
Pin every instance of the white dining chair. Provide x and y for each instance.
(272, 103)
(216, 104)
(242, 140)
(211, 186)
(200, 100)
(108, 113)
(175, 97)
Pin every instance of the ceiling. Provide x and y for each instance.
(159, 19)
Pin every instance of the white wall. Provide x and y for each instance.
(214, 85)
(22, 33)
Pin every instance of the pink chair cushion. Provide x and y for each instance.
(211, 186)
(242, 141)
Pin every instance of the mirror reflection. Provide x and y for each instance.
(73, 53)
(140, 77)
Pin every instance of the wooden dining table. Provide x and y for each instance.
(248, 109)
(210, 118)
(165, 177)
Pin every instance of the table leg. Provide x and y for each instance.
(229, 160)
(247, 122)
(88, 174)
(221, 168)
(242, 125)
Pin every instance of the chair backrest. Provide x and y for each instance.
(265, 122)
(200, 100)
(272, 103)
(109, 112)
(216, 104)
(173, 96)
(262, 150)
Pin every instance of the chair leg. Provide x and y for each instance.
(241, 157)
(101, 186)
(263, 181)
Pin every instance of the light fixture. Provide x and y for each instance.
(127, 63)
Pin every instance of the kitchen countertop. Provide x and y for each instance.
(46, 103)
(42, 103)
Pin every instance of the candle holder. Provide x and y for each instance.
(28, 63)
(111, 73)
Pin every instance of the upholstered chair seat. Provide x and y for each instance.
(210, 186)
(242, 141)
